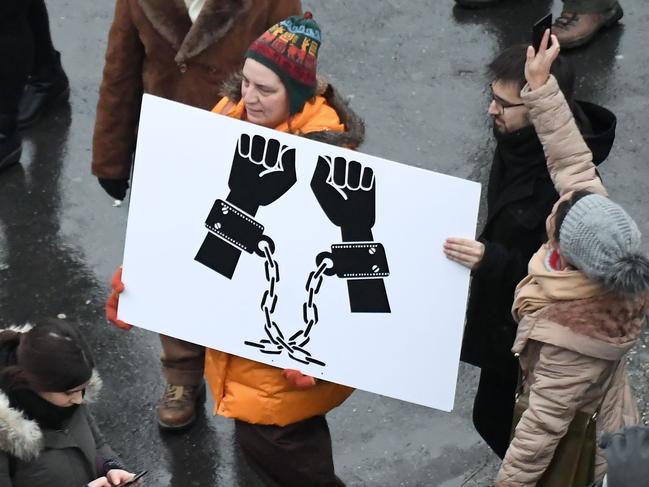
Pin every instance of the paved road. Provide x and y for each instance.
(415, 70)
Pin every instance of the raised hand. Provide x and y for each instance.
(346, 193)
(262, 171)
(537, 65)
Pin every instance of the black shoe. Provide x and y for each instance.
(43, 90)
(476, 3)
(10, 149)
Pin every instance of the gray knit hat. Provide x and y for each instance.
(598, 237)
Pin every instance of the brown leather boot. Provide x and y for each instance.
(576, 29)
(177, 407)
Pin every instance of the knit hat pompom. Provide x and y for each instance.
(599, 238)
(290, 49)
(629, 275)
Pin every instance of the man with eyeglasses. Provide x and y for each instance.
(520, 195)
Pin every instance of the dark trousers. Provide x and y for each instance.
(297, 455)
(25, 47)
(493, 408)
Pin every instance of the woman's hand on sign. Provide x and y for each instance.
(464, 251)
(538, 64)
(298, 379)
(112, 303)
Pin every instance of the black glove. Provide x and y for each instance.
(627, 453)
(116, 188)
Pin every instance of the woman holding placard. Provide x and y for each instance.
(280, 415)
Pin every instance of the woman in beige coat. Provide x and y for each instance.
(583, 304)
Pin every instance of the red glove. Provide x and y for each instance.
(113, 300)
(298, 379)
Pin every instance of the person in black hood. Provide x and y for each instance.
(520, 195)
(47, 434)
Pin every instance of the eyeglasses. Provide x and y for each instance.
(502, 104)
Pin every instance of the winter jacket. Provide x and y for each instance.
(571, 334)
(514, 230)
(251, 391)
(153, 47)
(31, 456)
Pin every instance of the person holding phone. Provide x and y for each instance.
(48, 437)
(583, 304)
(520, 194)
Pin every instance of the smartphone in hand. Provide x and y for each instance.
(539, 29)
(133, 480)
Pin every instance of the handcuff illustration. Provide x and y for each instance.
(263, 171)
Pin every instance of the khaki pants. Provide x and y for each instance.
(587, 6)
(182, 362)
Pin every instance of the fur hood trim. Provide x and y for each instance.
(171, 20)
(21, 437)
(352, 137)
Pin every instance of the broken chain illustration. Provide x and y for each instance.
(263, 171)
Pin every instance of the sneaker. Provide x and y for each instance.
(177, 408)
(42, 91)
(11, 149)
(576, 29)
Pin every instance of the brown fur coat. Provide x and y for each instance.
(153, 47)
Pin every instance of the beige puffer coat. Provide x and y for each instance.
(569, 349)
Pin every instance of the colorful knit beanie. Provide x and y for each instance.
(290, 50)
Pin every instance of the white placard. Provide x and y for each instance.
(183, 164)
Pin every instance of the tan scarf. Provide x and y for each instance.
(544, 286)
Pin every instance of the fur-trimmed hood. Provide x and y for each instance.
(21, 437)
(353, 135)
(171, 20)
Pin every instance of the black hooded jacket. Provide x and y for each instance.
(520, 196)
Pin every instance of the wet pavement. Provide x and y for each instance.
(415, 70)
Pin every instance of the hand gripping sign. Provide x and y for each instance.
(262, 171)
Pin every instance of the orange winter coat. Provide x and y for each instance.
(251, 391)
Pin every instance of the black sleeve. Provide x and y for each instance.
(501, 263)
(107, 459)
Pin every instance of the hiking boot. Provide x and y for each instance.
(11, 149)
(576, 29)
(177, 408)
(476, 3)
(43, 90)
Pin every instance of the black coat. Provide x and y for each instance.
(513, 232)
